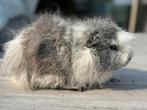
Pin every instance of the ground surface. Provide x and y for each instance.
(128, 94)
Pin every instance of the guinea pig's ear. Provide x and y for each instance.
(89, 43)
(125, 37)
(92, 43)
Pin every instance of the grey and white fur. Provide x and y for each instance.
(58, 52)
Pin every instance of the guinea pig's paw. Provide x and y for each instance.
(114, 80)
(82, 88)
(100, 86)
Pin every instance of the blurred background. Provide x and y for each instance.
(131, 15)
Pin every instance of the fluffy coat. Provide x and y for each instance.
(57, 52)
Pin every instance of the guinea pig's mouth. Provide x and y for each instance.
(128, 60)
(129, 57)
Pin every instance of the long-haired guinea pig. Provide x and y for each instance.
(58, 52)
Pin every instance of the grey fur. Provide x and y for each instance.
(58, 52)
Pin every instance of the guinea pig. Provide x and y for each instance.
(58, 53)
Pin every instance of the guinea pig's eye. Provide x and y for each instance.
(113, 47)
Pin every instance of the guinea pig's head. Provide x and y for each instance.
(107, 43)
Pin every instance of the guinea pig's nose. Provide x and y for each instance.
(131, 54)
(129, 58)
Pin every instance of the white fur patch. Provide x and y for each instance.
(79, 27)
(85, 68)
(82, 65)
(125, 37)
(13, 54)
(78, 35)
(78, 31)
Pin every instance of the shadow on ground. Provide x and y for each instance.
(130, 79)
